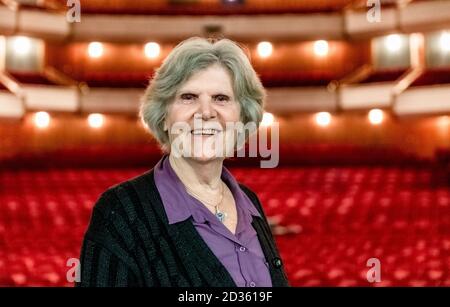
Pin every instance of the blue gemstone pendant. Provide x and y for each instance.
(221, 216)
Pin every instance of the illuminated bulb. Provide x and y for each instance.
(393, 42)
(321, 47)
(264, 49)
(152, 50)
(323, 119)
(41, 119)
(443, 122)
(376, 116)
(95, 120)
(95, 49)
(22, 45)
(267, 119)
(444, 41)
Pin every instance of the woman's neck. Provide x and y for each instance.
(198, 175)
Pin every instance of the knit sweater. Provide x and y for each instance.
(129, 243)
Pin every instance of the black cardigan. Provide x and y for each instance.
(129, 242)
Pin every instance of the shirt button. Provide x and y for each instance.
(277, 262)
(252, 284)
(242, 249)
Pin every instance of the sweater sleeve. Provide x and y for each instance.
(104, 261)
(101, 268)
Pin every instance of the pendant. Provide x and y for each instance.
(221, 216)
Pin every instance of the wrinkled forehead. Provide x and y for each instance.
(214, 79)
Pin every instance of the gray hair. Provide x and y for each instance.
(192, 55)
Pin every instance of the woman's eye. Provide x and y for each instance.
(187, 97)
(222, 98)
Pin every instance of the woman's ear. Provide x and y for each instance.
(165, 126)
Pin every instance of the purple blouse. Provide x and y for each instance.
(240, 253)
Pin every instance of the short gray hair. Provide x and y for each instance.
(190, 56)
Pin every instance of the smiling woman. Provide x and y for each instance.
(187, 221)
(198, 69)
(206, 104)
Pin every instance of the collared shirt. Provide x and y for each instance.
(240, 253)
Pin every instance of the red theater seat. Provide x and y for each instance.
(339, 216)
(344, 215)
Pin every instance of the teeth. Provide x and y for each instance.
(204, 131)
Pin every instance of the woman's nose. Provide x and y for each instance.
(206, 109)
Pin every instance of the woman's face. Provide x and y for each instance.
(197, 119)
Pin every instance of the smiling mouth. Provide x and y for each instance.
(205, 131)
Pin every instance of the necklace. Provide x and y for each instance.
(217, 212)
(188, 182)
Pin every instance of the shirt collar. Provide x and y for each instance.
(171, 191)
(180, 206)
(240, 197)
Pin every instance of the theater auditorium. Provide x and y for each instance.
(358, 107)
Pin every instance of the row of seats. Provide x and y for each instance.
(268, 78)
(116, 79)
(320, 200)
(430, 76)
(296, 78)
(31, 78)
(338, 218)
(346, 260)
(123, 79)
(433, 76)
(132, 79)
(210, 7)
(384, 75)
(144, 155)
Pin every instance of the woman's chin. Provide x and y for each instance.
(204, 150)
(206, 156)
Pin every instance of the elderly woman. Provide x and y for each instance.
(187, 221)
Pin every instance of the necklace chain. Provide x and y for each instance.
(219, 214)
